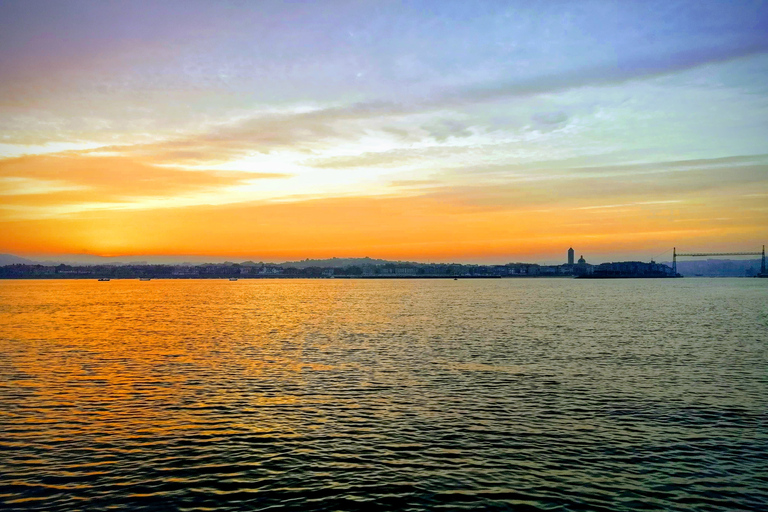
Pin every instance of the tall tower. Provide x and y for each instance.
(570, 256)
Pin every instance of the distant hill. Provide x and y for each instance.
(89, 259)
(336, 262)
(10, 259)
(86, 259)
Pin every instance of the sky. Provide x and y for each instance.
(426, 131)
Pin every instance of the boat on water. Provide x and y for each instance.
(145, 279)
(103, 279)
(233, 279)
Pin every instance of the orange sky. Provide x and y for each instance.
(483, 222)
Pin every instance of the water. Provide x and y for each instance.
(384, 395)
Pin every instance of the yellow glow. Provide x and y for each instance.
(418, 227)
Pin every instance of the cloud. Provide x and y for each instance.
(76, 178)
(549, 120)
(307, 131)
(304, 130)
(509, 187)
(263, 133)
(442, 129)
(390, 158)
(628, 69)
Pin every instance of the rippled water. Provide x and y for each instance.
(384, 395)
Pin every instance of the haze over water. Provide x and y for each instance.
(384, 395)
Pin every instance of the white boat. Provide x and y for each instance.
(233, 279)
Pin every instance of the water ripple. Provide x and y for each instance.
(383, 395)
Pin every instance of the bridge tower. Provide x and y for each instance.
(674, 260)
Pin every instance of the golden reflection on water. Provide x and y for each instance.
(132, 349)
(181, 390)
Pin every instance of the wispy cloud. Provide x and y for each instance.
(637, 203)
(73, 178)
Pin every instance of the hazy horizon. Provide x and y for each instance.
(85, 259)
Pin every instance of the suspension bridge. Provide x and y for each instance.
(675, 254)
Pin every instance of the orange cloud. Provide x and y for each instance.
(76, 178)
(500, 216)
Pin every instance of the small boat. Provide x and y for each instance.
(103, 279)
(145, 278)
(233, 279)
(455, 278)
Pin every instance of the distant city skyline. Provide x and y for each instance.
(86, 259)
(427, 131)
(198, 259)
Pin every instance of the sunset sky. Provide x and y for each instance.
(436, 130)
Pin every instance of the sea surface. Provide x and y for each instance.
(309, 395)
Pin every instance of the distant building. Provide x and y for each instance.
(522, 269)
(570, 256)
(631, 269)
(184, 271)
(582, 268)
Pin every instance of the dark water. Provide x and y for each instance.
(384, 395)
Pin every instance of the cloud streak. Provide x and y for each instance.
(77, 179)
